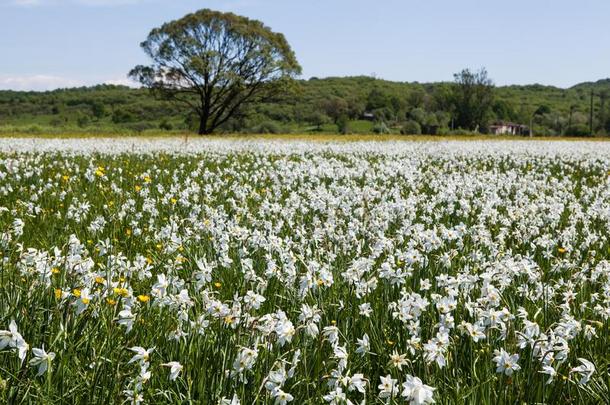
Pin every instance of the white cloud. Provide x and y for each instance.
(37, 82)
(122, 82)
(49, 82)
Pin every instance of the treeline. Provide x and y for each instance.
(331, 105)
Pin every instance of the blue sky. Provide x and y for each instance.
(57, 43)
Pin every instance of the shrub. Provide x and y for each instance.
(139, 127)
(122, 116)
(33, 129)
(577, 130)
(82, 121)
(411, 127)
(165, 125)
(191, 121)
(267, 127)
(343, 125)
(461, 131)
(381, 128)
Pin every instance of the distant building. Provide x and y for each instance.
(368, 116)
(508, 128)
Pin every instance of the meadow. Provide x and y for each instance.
(211, 271)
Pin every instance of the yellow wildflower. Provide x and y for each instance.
(123, 292)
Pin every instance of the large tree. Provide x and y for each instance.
(472, 96)
(216, 63)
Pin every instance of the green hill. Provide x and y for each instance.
(350, 104)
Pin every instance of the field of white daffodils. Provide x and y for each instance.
(240, 272)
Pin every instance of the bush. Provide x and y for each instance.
(33, 129)
(411, 127)
(461, 131)
(82, 121)
(318, 119)
(576, 130)
(267, 127)
(139, 127)
(122, 116)
(381, 128)
(192, 121)
(443, 131)
(343, 125)
(165, 125)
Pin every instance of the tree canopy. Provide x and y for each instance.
(216, 63)
(473, 98)
(129, 111)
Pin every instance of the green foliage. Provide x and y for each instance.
(82, 120)
(472, 98)
(98, 109)
(381, 128)
(221, 226)
(343, 125)
(335, 108)
(318, 119)
(121, 116)
(216, 63)
(165, 125)
(428, 104)
(578, 130)
(411, 127)
(267, 127)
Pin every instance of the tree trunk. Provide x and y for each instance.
(203, 129)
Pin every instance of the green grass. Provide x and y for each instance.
(209, 200)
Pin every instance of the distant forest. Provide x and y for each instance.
(330, 105)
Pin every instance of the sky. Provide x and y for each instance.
(47, 44)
